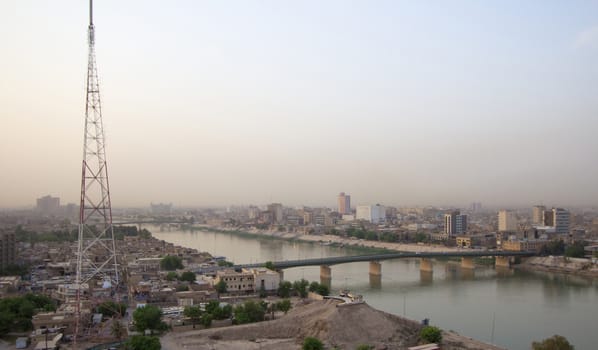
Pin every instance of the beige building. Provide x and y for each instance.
(236, 281)
(523, 245)
(507, 221)
(538, 215)
(265, 279)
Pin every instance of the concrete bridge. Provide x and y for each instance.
(503, 259)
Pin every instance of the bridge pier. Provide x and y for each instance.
(325, 272)
(425, 264)
(467, 263)
(502, 261)
(281, 274)
(375, 268)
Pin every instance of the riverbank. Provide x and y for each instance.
(334, 240)
(560, 264)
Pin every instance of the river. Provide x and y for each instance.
(523, 306)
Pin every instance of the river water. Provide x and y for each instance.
(522, 306)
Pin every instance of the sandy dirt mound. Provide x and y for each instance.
(343, 327)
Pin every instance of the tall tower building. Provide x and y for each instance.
(344, 203)
(96, 253)
(276, 211)
(538, 215)
(507, 221)
(48, 205)
(455, 223)
(561, 219)
(8, 249)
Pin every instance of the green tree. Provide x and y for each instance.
(300, 287)
(149, 317)
(556, 342)
(364, 347)
(225, 263)
(194, 313)
(188, 276)
(269, 265)
(221, 287)
(284, 305)
(321, 289)
(431, 334)
(249, 312)
(206, 320)
(111, 308)
(311, 343)
(140, 342)
(171, 276)
(575, 250)
(171, 263)
(284, 289)
(117, 329)
(555, 247)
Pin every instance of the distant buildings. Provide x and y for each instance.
(476, 207)
(507, 221)
(455, 223)
(373, 213)
(161, 208)
(275, 209)
(48, 205)
(558, 218)
(344, 203)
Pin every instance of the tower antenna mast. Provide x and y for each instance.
(97, 263)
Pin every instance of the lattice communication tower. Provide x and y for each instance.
(96, 256)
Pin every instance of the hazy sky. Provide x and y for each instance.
(238, 102)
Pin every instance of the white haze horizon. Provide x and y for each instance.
(216, 103)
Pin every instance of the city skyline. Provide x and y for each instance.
(392, 102)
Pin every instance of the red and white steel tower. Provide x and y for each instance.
(96, 257)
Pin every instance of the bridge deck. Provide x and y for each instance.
(379, 257)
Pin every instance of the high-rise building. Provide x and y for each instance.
(561, 218)
(7, 249)
(507, 221)
(48, 205)
(461, 224)
(455, 223)
(538, 215)
(373, 213)
(276, 210)
(548, 219)
(476, 206)
(344, 203)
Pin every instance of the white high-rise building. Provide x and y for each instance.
(538, 215)
(455, 223)
(373, 213)
(507, 221)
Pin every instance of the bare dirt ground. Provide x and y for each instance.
(343, 327)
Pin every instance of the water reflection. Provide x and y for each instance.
(375, 281)
(426, 278)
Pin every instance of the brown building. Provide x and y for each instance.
(7, 249)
